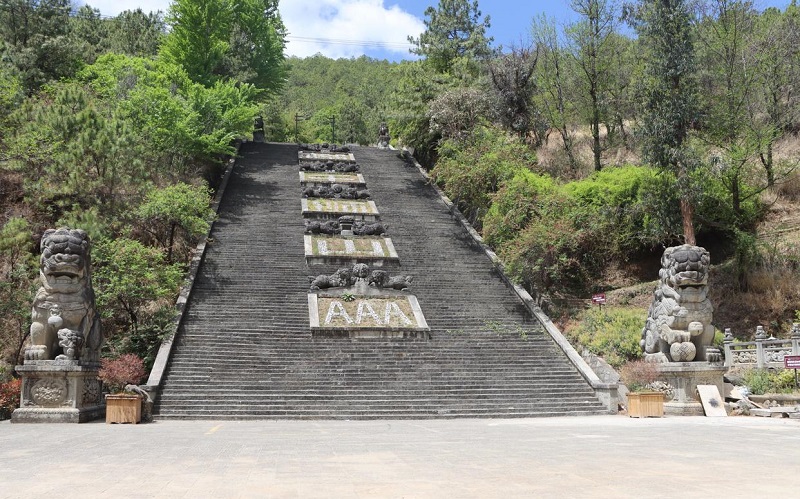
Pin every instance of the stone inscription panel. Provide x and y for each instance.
(365, 210)
(341, 157)
(391, 312)
(322, 178)
(344, 246)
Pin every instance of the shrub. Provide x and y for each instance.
(562, 248)
(519, 200)
(127, 369)
(638, 374)
(471, 171)
(635, 201)
(612, 334)
(763, 381)
(9, 397)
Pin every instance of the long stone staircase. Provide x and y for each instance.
(245, 350)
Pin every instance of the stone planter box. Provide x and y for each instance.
(123, 408)
(646, 405)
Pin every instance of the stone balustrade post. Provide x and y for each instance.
(795, 336)
(727, 342)
(761, 335)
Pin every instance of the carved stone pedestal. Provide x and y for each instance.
(59, 392)
(684, 378)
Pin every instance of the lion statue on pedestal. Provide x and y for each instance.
(65, 325)
(678, 327)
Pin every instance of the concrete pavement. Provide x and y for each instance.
(599, 456)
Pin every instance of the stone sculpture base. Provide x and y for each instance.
(684, 378)
(59, 392)
(370, 313)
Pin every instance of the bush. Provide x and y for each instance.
(763, 381)
(564, 247)
(635, 201)
(145, 340)
(612, 334)
(9, 397)
(638, 374)
(127, 369)
(519, 200)
(471, 171)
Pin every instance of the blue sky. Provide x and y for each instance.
(378, 28)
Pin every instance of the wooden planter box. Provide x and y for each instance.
(646, 405)
(123, 408)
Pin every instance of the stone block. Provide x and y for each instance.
(339, 157)
(59, 392)
(384, 315)
(375, 251)
(316, 179)
(684, 378)
(327, 209)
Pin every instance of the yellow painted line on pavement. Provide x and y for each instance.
(213, 430)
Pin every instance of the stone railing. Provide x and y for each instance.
(763, 352)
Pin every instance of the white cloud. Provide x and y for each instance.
(364, 25)
(335, 28)
(114, 7)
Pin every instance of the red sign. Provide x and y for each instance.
(791, 362)
(599, 298)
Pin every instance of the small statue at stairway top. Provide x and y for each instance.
(678, 327)
(383, 136)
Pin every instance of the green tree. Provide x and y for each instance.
(176, 207)
(138, 34)
(256, 43)
(199, 37)
(90, 32)
(37, 40)
(128, 276)
(555, 83)
(418, 84)
(514, 84)
(218, 39)
(669, 94)
(725, 57)
(75, 152)
(453, 30)
(11, 94)
(591, 40)
(17, 276)
(775, 103)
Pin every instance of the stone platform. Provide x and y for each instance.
(373, 315)
(59, 392)
(375, 251)
(316, 179)
(339, 157)
(329, 209)
(684, 378)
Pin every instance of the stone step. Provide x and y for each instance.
(246, 352)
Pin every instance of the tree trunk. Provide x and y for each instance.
(736, 197)
(687, 213)
(768, 164)
(171, 242)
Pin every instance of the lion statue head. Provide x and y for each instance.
(64, 260)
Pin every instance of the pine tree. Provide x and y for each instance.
(669, 93)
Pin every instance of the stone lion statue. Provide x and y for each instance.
(65, 325)
(342, 278)
(678, 327)
(382, 279)
(359, 273)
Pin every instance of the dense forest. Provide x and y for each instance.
(121, 126)
(578, 155)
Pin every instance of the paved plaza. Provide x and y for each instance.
(598, 456)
